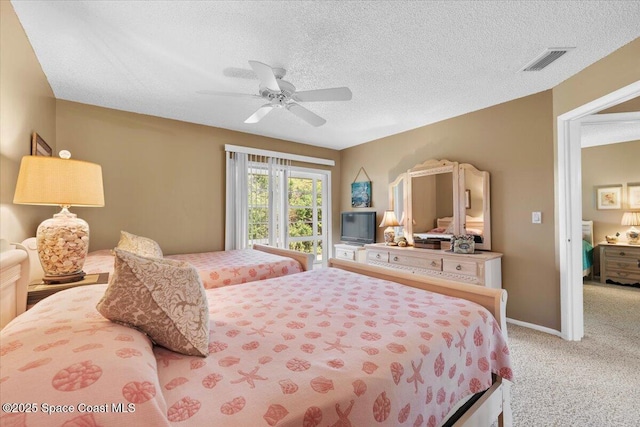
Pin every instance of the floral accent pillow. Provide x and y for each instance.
(163, 298)
(139, 245)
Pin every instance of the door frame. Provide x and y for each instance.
(326, 206)
(568, 203)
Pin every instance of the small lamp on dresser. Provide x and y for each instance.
(633, 234)
(389, 220)
(62, 241)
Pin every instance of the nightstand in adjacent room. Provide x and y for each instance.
(619, 262)
(39, 291)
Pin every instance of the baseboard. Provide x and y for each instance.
(535, 327)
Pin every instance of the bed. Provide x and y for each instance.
(347, 345)
(221, 268)
(474, 225)
(587, 249)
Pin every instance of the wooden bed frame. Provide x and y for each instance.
(306, 260)
(494, 403)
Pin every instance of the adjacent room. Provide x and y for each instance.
(289, 213)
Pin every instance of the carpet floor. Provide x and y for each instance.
(593, 382)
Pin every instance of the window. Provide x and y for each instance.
(271, 202)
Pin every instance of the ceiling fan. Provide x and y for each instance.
(282, 94)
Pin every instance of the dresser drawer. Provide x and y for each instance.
(622, 264)
(460, 267)
(625, 253)
(428, 263)
(377, 256)
(349, 254)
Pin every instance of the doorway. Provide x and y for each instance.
(568, 196)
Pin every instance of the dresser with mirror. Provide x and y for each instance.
(434, 201)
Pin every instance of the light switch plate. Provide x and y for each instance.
(536, 217)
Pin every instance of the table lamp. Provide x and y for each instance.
(389, 220)
(633, 234)
(62, 241)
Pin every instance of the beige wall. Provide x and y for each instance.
(27, 104)
(163, 179)
(513, 141)
(614, 164)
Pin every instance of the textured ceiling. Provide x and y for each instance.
(408, 64)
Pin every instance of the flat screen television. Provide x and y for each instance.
(358, 228)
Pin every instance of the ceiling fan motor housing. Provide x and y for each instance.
(279, 98)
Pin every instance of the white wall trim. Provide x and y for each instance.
(286, 156)
(534, 327)
(568, 204)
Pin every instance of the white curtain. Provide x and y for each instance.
(240, 198)
(237, 208)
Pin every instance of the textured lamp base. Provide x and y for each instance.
(63, 278)
(389, 237)
(63, 243)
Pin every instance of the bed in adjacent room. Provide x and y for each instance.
(348, 345)
(587, 249)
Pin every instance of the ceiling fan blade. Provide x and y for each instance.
(235, 94)
(265, 75)
(332, 94)
(312, 118)
(259, 114)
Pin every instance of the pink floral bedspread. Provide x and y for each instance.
(321, 348)
(216, 269)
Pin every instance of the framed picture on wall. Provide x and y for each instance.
(609, 197)
(633, 195)
(39, 147)
(361, 194)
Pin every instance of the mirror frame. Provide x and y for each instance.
(466, 168)
(459, 172)
(432, 167)
(392, 205)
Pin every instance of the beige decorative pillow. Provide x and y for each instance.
(139, 245)
(163, 298)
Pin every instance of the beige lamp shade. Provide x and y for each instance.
(631, 218)
(59, 182)
(389, 220)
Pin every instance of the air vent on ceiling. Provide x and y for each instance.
(546, 58)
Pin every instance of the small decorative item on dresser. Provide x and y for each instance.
(401, 241)
(612, 239)
(463, 244)
(633, 234)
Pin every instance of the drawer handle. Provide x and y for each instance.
(395, 258)
(458, 267)
(623, 273)
(622, 254)
(378, 256)
(344, 253)
(433, 263)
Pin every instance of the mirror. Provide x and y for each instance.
(475, 212)
(397, 201)
(439, 198)
(432, 194)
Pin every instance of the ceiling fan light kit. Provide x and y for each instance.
(281, 93)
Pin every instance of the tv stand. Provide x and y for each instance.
(350, 252)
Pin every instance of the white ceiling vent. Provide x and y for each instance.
(546, 58)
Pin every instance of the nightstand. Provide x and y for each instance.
(39, 291)
(619, 262)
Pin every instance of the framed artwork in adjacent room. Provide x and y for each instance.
(609, 197)
(633, 195)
